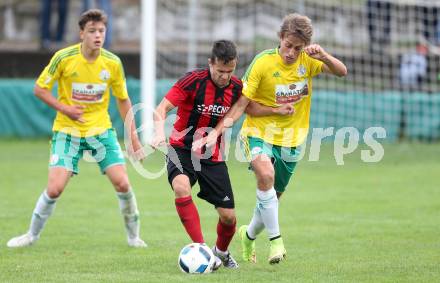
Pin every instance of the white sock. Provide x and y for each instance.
(223, 253)
(130, 213)
(267, 203)
(43, 209)
(256, 225)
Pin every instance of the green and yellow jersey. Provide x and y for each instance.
(83, 83)
(269, 81)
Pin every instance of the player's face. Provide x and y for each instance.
(93, 35)
(221, 73)
(290, 48)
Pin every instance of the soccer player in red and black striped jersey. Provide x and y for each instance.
(202, 98)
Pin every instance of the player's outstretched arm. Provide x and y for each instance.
(258, 110)
(228, 120)
(233, 114)
(74, 112)
(331, 65)
(159, 116)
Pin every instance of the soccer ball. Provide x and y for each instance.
(196, 258)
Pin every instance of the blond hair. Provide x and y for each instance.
(297, 25)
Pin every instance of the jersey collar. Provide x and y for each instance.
(84, 58)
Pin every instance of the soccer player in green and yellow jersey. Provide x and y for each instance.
(277, 90)
(85, 73)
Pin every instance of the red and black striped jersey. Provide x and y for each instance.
(200, 106)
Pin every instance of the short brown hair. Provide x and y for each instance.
(297, 25)
(224, 50)
(93, 15)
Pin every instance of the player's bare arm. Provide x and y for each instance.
(135, 147)
(74, 112)
(228, 120)
(258, 110)
(233, 114)
(331, 64)
(159, 117)
(243, 105)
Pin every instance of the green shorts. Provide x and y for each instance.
(67, 150)
(284, 159)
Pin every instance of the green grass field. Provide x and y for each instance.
(359, 222)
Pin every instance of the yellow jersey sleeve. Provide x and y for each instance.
(251, 79)
(51, 72)
(315, 66)
(119, 85)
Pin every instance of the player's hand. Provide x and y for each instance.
(316, 51)
(136, 150)
(208, 141)
(211, 139)
(285, 109)
(74, 112)
(198, 144)
(159, 140)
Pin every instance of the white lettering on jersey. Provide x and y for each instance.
(214, 110)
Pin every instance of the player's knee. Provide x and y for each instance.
(181, 186)
(228, 218)
(264, 172)
(54, 190)
(266, 178)
(122, 185)
(55, 185)
(181, 189)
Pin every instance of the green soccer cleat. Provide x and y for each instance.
(248, 246)
(277, 251)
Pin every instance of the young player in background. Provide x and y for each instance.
(202, 98)
(85, 72)
(277, 90)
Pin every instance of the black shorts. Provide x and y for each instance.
(213, 177)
